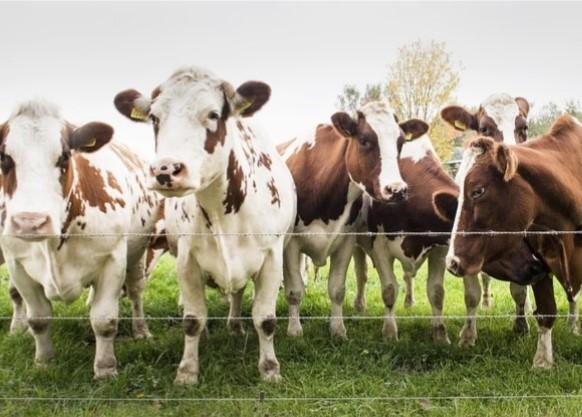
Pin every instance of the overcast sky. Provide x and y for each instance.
(81, 55)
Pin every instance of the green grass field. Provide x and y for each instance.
(332, 378)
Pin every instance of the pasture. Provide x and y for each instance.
(322, 377)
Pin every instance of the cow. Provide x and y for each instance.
(422, 171)
(534, 186)
(62, 185)
(236, 198)
(503, 118)
(333, 168)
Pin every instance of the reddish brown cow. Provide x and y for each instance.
(533, 186)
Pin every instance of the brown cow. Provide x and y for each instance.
(533, 186)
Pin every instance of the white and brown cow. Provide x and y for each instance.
(332, 169)
(237, 199)
(61, 185)
(421, 169)
(503, 118)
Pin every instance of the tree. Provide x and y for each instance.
(352, 98)
(541, 122)
(422, 80)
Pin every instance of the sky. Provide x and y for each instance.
(79, 55)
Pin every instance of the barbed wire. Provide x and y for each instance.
(263, 398)
(429, 233)
(313, 318)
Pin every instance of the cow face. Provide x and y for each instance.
(36, 146)
(375, 141)
(500, 117)
(489, 172)
(190, 113)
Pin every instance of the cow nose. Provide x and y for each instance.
(29, 224)
(454, 265)
(395, 192)
(168, 172)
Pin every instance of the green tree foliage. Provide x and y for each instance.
(542, 120)
(352, 98)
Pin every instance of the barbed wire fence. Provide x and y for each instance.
(261, 396)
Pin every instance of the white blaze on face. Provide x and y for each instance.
(503, 110)
(418, 149)
(469, 157)
(34, 142)
(381, 119)
(186, 107)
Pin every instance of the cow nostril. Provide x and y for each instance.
(163, 168)
(178, 167)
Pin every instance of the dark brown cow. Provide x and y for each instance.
(535, 186)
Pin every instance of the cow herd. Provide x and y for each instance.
(79, 211)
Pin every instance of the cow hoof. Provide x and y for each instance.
(18, 326)
(542, 362)
(269, 370)
(237, 328)
(487, 301)
(521, 326)
(272, 378)
(360, 305)
(439, 335)
(409, 301)
(338, 332)
(105, 373)
(186, 378)
(141, 333)
(294, 330)
(467, 337)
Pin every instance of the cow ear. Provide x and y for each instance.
(506, 161)
(480, 145)
(133, 105)
(445, 205)
(90, 137)
(459, 118)
(413, 128)
(248, 98)
(523, 106)
(344, 124)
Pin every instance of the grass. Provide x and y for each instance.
(313, 366)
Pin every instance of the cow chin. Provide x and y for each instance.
(173, 192)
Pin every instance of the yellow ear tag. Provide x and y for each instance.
(408, 136)
(460, 125)
(137, 114)
(91, 143)
(241, 107)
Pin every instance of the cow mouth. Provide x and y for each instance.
(173, 191)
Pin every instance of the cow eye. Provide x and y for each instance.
(366, 144)
(477, 192)
(213, 115)
(6, 163)
(484, 130)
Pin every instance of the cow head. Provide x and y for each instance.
(489, 171)
(36, 145)
(189, 114)
(500, 117)
(375, 142)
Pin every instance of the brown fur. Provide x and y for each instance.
(237, 185)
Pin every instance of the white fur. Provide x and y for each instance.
(418, 149)
(503, 109)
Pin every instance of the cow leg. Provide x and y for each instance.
(294, 287)
(336, 287)
(384, 264)
(195, 315)
(267, 286)
(39, 311)
(468, 334)
(436, 293)
(361, 269)
(135, 283)
(519, 294)
(235, 322)
(573, 316)
(105, 311)
(409, 299)
(19, 321)
(487, 300)
(545, 315)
